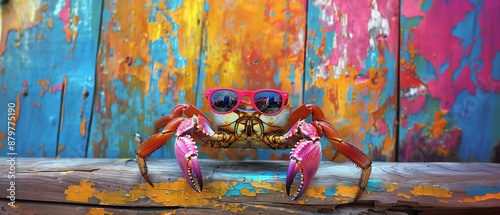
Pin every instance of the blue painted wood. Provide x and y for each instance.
(32, 69)
(80, 83)
(48, 60)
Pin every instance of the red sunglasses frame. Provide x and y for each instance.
(251, 94)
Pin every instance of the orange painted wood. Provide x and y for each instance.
(252, 46)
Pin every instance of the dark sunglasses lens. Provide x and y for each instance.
(268, 102)
(223, 100)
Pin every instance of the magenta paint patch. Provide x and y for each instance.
(412, 105)
(65, 13)
(351, 37)
(488, 21)
(57, 87)
(419, 146)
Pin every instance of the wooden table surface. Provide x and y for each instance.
(115, 186)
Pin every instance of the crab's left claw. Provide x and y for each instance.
(187, 157)
(305, 157)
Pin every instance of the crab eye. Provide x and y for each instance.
(268, 102)
(223, 101)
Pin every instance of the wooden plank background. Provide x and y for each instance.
(86, 76)
(86, 185)
(351, 71)
(450, 81)
(47, 68)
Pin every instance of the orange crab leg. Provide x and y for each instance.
(188, 111)
(152, 144)
(158, 139)
(350, 151)
(303, 111)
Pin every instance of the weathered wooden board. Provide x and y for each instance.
(252, 45)
(251, 186)
(148, 63)
(47, 63)
(450, 81)
(351, 71)
(42, 208)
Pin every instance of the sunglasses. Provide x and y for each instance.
(267, 102)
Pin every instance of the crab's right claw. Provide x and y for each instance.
(187, 156)
(305, 158)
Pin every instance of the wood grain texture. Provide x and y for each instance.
(148, 57)
(250, 186)
(47, 63)
(450, 81)
(351, 71)
(252, 45)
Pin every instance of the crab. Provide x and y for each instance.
(251, 119)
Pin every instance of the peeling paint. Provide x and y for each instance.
(432, 190)
(260, 206)
(449, 89)
(179, 193)
(98, 211)
(347, 191)
(172, 212)
(391, 187)
(483, 193)
(350, 70)
(406, 196)
(80, 193)
(83, 127)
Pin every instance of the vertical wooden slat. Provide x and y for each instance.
(147, 63)
(252, 45)
(43, 52)
(79, 83)
(351, 73)
(450, 81)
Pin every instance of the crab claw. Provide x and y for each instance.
(305, 157)
(187, 157)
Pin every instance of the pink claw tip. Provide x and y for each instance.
(305, 158)
(187, 157)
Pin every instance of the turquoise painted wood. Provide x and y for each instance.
(47, 59)
(351, 70)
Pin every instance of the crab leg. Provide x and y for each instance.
(350, 151)
(187, 110)
(153, 143)
(170, 124)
